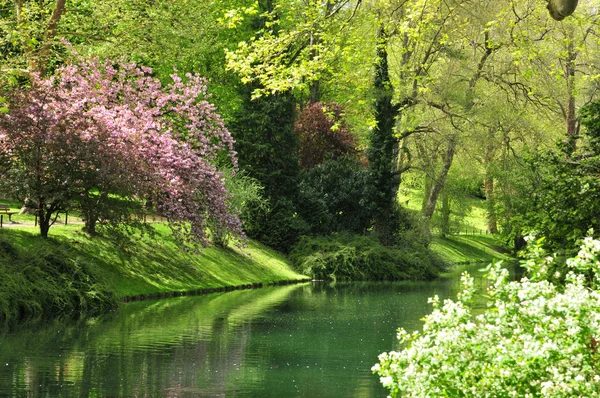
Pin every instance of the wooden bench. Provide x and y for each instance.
(5, 209)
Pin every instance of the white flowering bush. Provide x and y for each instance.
(536, 338)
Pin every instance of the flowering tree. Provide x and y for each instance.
(536, 339)
(103, 129)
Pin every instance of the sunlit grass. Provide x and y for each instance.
(156, 265)
(473, 221)
(460, 249)
(468, 243)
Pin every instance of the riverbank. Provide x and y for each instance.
(71, 272)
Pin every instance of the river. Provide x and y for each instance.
(307, 340)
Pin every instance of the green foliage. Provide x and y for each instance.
(267, 149)
(48, 280)
(535, 339)
(383, 143)
(279, 228)
(557, 193)
(246, 196)
(267, 144)
(333, 197)
(590, 118)
(558, 198)
(296, 44)
(348, 257)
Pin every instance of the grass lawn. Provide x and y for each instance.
(470, 244)
(150, 266)
(464, 249)
(473, 221)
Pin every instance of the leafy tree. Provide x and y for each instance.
(268, 150)
(267, 146)
(561, 197)
(322, 134)
(383, 144)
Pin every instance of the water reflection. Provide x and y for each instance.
(312, 340)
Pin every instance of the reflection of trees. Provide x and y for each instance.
(190, 346)
(317, 338)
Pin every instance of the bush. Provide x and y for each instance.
(537, 339)
(333, 197)
(279, 226)
(348, 257)
(246, 196)
(47, 280)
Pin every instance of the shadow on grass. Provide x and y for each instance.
(470, 249)
(149, 265)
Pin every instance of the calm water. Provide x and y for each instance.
(310, 340)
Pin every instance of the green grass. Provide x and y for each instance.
(465, 249)
(473, 219)
(468, 244)
(151, 266)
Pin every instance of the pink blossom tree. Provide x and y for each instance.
(100, 130)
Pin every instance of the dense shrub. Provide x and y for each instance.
(246, 196)
(558, 198)
(333, 197)
(47, 280)
(536, 339)
(279, 226)
(348, 257)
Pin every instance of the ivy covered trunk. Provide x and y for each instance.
(384, 145)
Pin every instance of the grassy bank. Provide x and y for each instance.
(144, 267)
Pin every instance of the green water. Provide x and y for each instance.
(310, 340)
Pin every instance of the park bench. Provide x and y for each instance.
(5, 209)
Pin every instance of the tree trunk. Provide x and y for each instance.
(37, 59)
(570, 112)
(90, 225)
(44, 223)
(428, 185)
(445, 214)
(492, 225)
(441, 180)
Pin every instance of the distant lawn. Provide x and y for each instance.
(468, 242)
(473, 221)
(463, 249)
